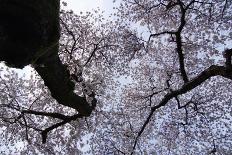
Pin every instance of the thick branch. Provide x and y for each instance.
(179, 43)
(45, 132)
(181, 57)
(198, 80)
(57, 78)
(227, 56)
(65, 119)
(48, 114)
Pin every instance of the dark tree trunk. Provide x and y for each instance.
(27, 27)
(29, 34)
(57, 78)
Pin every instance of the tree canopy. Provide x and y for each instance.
(160, 71)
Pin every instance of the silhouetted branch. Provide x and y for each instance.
(224, 8)
(67, 120)
(72, 35)
(57, 78)
(227, 56)
(198, 80)
(179, 42)
(48, 114)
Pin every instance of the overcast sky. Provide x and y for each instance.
(87, 5)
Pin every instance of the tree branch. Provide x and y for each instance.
(181, 57)
(179, 43)
(57, 78)
(48, 114)
(198, 80)
(227, 56)
(67, 120)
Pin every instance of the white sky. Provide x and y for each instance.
(87, 5)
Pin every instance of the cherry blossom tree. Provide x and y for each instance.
(160, 71)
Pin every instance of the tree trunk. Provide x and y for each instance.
(29, 34)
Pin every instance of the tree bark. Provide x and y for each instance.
(57, 78)
(29, 34)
